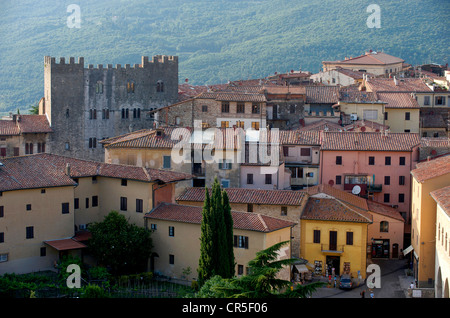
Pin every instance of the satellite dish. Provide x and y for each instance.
(356, 189)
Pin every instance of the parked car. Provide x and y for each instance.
(346, 282)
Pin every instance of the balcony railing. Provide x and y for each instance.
(332, 248)
(374, 187)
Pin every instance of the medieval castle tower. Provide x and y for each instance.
(86, 105)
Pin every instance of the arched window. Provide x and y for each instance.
(384, 226)
(160, 86)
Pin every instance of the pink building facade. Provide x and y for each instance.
(371, 165)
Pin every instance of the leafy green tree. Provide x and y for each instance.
(216, 241)
(117, 244)
(261, 282)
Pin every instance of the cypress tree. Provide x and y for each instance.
(216, 240)
(229, 252)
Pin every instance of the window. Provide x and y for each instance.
(225, 183)
(292, 109)
(401, 180)
(167, 162)
(2, 237)
(28, 207)
(439, 100)
(240, 108)
(387, 161)
(225, 107)
(93, 142)
(204, 108)
(249, 207)
(171, 259)
(255, 109)
(338, 160)
(224, 164)
(255, 125)
(95, 200)
(401, 197)
(29, 148)
(268, 179)
(29, 232)
(65, 208)
(160, 87)
(338, 179)
(384, 226)
(284, 210)
(67, 146)
(249, 178)
(316, 238)
(386, 116)
(426, 100)
(41, 147)
(94, 179)
(349, 238)
(124, 182)
(407, 116)
(153, 227)
(240, 241)
(386, 197)
(240, 270)
(139, 205)
(2, 211)
(387, 180)
(76, 203)
(371, 161)
(402, 161)
(224, 124)
(370, 114)
(123, 203)
(43, 251)
(105, 113)
(286, 151)
(171, 231)
(305, 152)
(87, 203)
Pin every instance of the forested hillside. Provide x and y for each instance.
(216, 40)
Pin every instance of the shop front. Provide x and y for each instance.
(380, 248)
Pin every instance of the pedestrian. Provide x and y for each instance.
(371, 294)
(363, 293)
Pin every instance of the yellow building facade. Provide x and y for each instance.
(428, 176)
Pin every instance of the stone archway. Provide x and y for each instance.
(446, 289)
(438, 291)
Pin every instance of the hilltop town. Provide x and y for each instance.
(349, 165)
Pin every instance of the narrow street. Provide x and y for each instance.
(394, 283)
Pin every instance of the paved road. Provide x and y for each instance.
(394, 283)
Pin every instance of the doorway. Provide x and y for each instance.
(333, 262)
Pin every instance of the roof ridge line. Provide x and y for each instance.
(352, 208)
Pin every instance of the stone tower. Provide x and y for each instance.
(86, 105)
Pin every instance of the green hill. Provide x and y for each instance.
(216, 40)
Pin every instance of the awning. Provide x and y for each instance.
(301, 268)
(408, 249)
(65, 244)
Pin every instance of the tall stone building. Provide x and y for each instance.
(86, 105)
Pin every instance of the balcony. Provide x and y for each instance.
(332, 249)
(374, 187)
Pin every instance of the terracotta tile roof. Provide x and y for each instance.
(341, 195)
(409, 85)
(431, 169)
(242, 195)
(299, 137)
(398, 100)
(437, 142)
(65, 244)
(442, 197)
(8, 128)
(369, 141)
(358, 124)
(47, 170)
(351, 94)
(330, 209)
(241, 220)
(233, 96)
(372, 58)
(353, 74)
(385, 210)
(322, 125)
(322, 94)
(24, 124)
(33, 124)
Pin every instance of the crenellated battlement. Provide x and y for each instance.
(157, 59)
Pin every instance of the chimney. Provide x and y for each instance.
(68, 169)
(395, 81)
